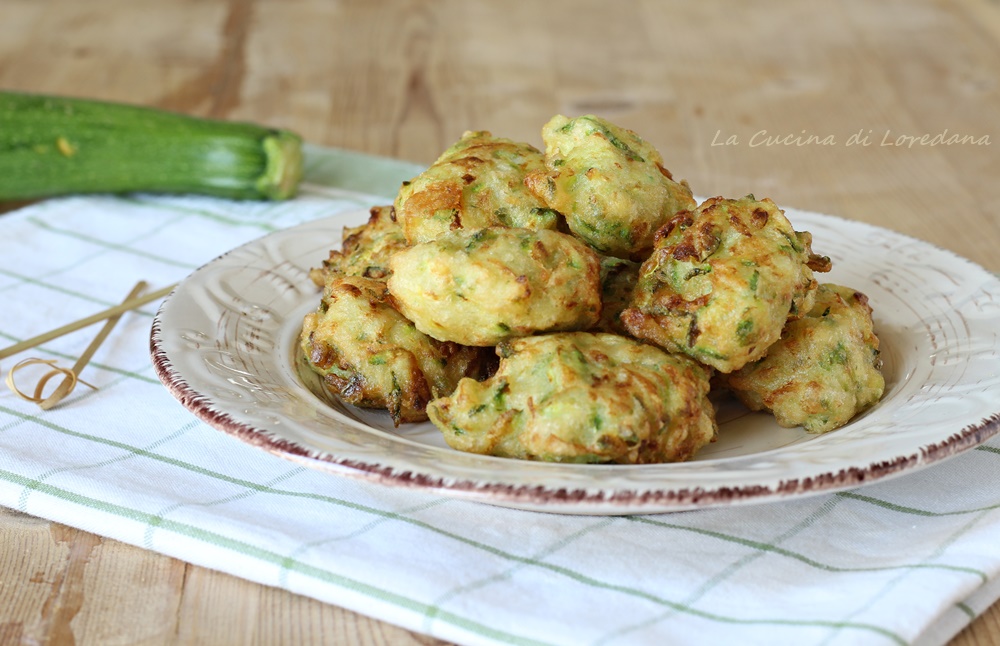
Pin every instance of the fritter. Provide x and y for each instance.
(480, 287)
(478, 182)
(618, 279)
(722, 281)
(609, 184)
(365, 249)
(823, 371)
(581, 397)
(371, 356)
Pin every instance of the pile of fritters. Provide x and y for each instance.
(611, 299)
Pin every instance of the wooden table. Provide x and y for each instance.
(831, 108)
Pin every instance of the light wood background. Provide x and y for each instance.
(405, 78)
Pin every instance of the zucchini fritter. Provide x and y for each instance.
(478, 182)
(365, 249)
(581, 397)
(480, 287)
(722, 281)
(371, 356)
(609, 183)
(823, 371)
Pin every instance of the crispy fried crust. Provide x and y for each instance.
(371, 356)
(722, 281)
(581, 397)
(609, 184)
(365, 249)
(478, 182)
(823, 371)
(484, 286)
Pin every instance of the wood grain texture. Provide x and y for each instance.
(405, 77)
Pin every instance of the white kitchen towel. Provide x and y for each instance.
(909, 560)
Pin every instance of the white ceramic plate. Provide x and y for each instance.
(223, 343)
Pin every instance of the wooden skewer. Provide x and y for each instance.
(67, 384)
(117, 310)
(54, 371)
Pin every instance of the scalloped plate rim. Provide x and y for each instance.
(556, 495)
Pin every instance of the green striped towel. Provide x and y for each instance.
(910, 560)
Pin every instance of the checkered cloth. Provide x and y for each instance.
(911, 560)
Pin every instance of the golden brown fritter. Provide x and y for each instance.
(618, 279)
(480, 287)
(609, 184)
(478, 182)
(371, 356)
(365, 249)
(722, 281)
(581, 397)
(823, 371)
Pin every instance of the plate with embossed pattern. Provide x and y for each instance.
(224, 344)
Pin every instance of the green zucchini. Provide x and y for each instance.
(56, 146)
